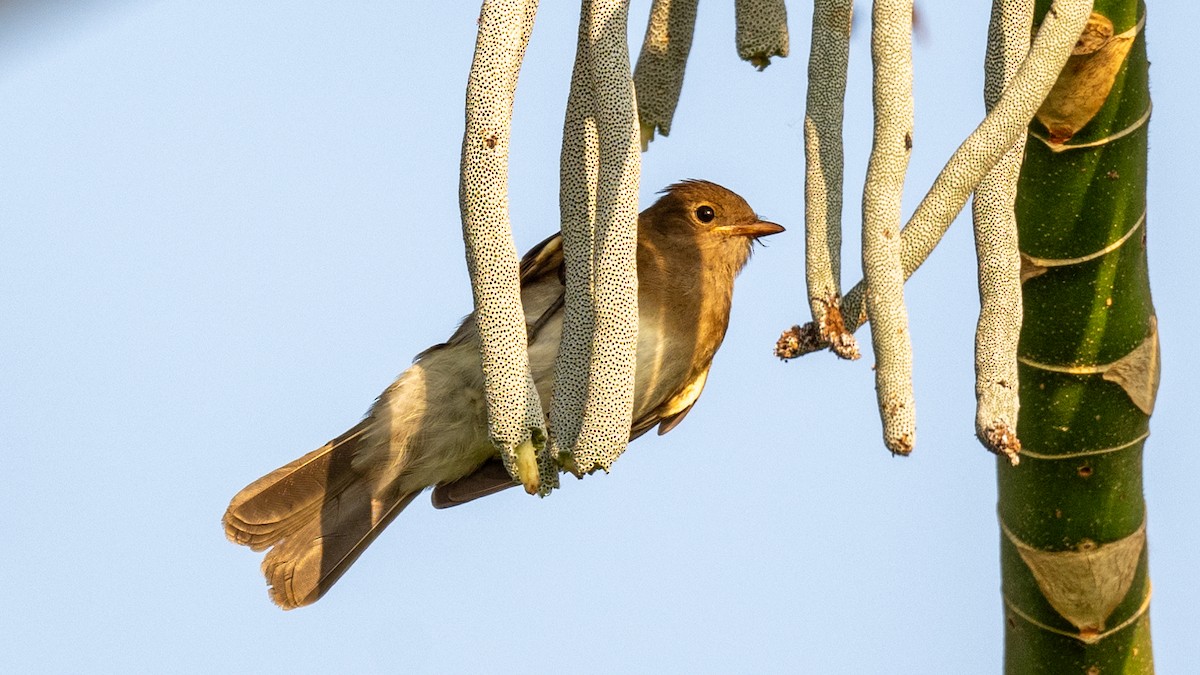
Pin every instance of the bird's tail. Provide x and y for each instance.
(316, 514)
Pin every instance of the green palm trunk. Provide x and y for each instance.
(1072, 514)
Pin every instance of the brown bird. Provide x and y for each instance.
(429, 428)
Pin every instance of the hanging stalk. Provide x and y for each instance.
(515, 421)
(823, 160)
(969, 164)
(1072, 515)
(599, 170)
(998, 330)
(658, 76)
(761, 31)
(883, 274)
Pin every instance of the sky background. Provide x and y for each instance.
(226, 226)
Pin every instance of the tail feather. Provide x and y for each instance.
(316, 514)
(302, 567)
(261, 541)
(268, 505)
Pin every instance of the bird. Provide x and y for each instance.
(428, 429)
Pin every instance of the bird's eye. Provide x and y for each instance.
(705, 214)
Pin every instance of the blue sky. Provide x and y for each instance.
(225, 227)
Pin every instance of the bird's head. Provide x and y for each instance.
(708, 217)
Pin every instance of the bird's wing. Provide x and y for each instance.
(682, 402)
(546, 260)
(544, 266)
(672, 411)
(543, 262)
(541, 266)
(488, 479)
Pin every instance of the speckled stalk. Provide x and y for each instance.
(592, 408)
(979, 152)
(515, 420)
(761, 31)
(995, 226)
(891, 56)
(823, 157)
(658, 77)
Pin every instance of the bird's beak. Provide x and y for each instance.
(754, 230)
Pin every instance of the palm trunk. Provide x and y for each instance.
(1072, 514)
